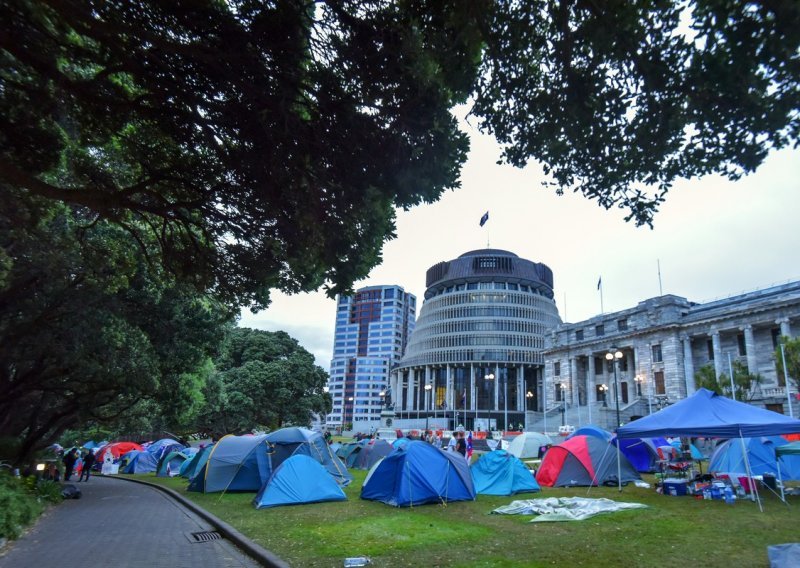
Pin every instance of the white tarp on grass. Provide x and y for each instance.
(564, 508)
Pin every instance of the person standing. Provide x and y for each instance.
(69, 463)
(461, 445)
(88, 462)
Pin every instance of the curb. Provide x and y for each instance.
(256, 552)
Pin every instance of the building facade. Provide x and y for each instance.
(475, 358)
(372, 331)
(645, 357)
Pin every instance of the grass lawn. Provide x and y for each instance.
(673, 531)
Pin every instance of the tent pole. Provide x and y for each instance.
(753, 488)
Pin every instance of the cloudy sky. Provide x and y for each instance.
(712, 239)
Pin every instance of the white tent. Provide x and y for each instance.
(527, 445)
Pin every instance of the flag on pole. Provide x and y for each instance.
(484, 218)
(469, 445)
(599, 282)
(464, 399)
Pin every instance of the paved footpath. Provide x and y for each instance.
(122, 524)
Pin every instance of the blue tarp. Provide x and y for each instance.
(417, 474)
(708, 414)
(500, 473)
(300, 479)
(236, 463)
(288, 442)
(728, 458)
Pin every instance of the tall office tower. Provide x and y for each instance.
(476, 355)
(372, 331)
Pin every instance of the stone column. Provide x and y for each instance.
(573, 371)
(750, 349)
(719, 367)
(591, 384)
(412, 381)
(786, 329)
(688, 365)
(428, 397)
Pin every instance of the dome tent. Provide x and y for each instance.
(417, 474)
(584, 461)
(529, 445)
(501, 473)
(761, 452)
(298, 480)
(288, 442)
(372, 453)
(641, 452)
(236, 463)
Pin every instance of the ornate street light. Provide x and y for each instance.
(604, 390)
(615, 355)
(350, 400)
(489, 377)
(428, 388)
(528, 397)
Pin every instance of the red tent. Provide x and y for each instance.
(117, 449)
(584, 461)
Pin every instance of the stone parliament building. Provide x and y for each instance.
(646, 357)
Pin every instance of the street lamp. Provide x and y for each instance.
(489, 377)
(428, 389)
(350, 400)
(528, 397)
(615, 355)
(639, 380)
(563, 388)
(603, 390)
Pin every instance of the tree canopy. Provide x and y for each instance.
(266, 144)
(744, 383)
(791, 355)
(264, 380)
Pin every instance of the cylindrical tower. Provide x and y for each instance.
(475, 358)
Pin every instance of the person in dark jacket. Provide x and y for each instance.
(88, 462)
(69, 463)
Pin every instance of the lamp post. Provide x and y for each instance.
(350, 401)
(505, 400)
(604, 390)
(615, 355)
(528, 397)
(562, 389)
(639, 381)
(489, 377)
(428, 389)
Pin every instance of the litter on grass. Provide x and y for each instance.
(564, 508)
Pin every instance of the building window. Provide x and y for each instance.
(657, 358)
(622, 325)
(776, 337)
(658, 378)
(740, 343)
(710, 347)
(598, 365)
(599, 330)
(579, 335)
(557, 368)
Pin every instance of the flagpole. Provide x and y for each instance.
(660, 290)
(600, 287)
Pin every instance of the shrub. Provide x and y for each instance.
(22, 500)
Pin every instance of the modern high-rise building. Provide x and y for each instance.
(475, 357)
(372, 331)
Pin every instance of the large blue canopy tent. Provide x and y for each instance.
(706, 413)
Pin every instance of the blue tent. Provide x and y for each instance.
(372, 453)
(500, 473)
(170, 466)
(137, 461)
(300, 479)
(417, 474)
(592, 430)
(761, 454)
(191, 466)
(288, 442)
(236, 463)
(706, 413)
(641, 452)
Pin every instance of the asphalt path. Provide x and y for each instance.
(122, 524)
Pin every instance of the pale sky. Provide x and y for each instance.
(712, 238)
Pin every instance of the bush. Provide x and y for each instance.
(18, 507)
